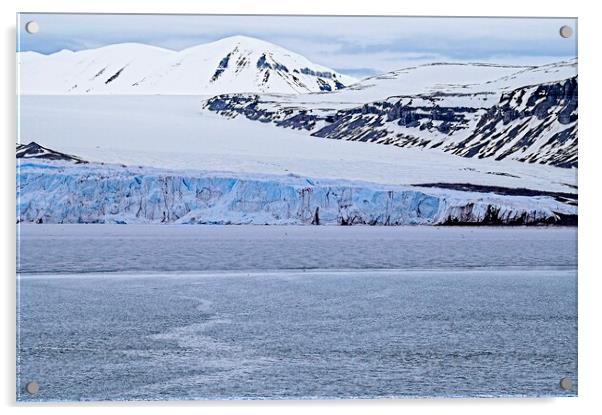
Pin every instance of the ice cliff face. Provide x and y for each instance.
(535, 123)
(60, 192)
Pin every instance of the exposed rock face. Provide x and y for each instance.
(535, 124)
(101, 194)
(36, 151)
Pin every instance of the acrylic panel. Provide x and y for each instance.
(295, 207)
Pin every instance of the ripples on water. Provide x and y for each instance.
(119, 248)
(492, 330)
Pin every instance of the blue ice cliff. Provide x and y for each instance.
(55, 191)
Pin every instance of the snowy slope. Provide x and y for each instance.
(233, 64)
(170, 132)
(97, 193)
(459, 84)
(527, 114)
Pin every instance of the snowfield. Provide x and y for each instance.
(171, 132)
(475, 85)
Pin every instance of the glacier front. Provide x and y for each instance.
(60, 192)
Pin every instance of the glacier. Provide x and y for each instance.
(50, 191)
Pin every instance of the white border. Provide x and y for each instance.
(590, 159)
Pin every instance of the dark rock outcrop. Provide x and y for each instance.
(534, 124)
(35, 151)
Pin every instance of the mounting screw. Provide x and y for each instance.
(32, 388)
(566, 31)
(32, 27)
(566, 383)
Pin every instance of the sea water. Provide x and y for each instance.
(114, 312)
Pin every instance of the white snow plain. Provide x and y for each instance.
(172, 132)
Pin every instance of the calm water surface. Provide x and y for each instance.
(177, 248)
(167, 312)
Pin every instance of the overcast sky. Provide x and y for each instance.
(358, 46)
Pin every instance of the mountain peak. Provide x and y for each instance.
(234, 64)
(34, 150)
(244, 39)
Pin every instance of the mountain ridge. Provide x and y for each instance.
(529, 116)
(232, 64)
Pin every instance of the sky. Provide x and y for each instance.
(357, 46)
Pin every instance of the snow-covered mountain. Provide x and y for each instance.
(276, 139)
(233, 64)
(473, 110)
(525, 113)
